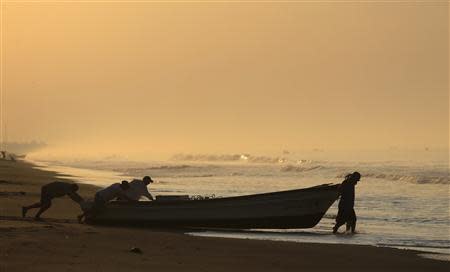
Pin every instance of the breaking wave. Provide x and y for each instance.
(228, 158)
(411, 178)
(140, 170)
(206, 157)
(159, 167)
(417, 179)
(295, 168)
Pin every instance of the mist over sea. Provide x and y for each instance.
(399, 203)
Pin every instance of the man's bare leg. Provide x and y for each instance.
(348, 226)
(353, 226)
(26, 208)
(337, 226)
(43, 208)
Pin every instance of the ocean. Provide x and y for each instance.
(401, 204)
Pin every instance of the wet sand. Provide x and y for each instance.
(60, 244)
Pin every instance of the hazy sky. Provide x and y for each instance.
(219, 77)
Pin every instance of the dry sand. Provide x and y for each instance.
(60, 244)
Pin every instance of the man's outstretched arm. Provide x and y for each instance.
(75, 197)
(148, 195)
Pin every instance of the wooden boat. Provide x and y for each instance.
(302, 208)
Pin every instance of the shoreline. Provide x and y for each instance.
(101, 177)
(64, 244)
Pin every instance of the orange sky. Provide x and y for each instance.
(218, 77)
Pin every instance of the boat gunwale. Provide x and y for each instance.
(322, 187)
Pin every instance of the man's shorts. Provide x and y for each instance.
(46, 197)
(345, 216)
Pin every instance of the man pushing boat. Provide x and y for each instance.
(346, 212)
(49, 192)
(138, 189)
(102, 197)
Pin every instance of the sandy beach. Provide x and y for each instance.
(58, 243)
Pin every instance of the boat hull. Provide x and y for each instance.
(302, 208)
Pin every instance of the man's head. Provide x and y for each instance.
(355, 177)
(352, 178)
(147, 180)
(74, 187)
(124, 185)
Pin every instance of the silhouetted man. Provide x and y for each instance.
(138, 188)
(346, 212)
(51, 191)
(102, 197)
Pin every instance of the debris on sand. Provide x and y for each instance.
(136, 250)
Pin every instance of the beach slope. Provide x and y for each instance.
(60, 244)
